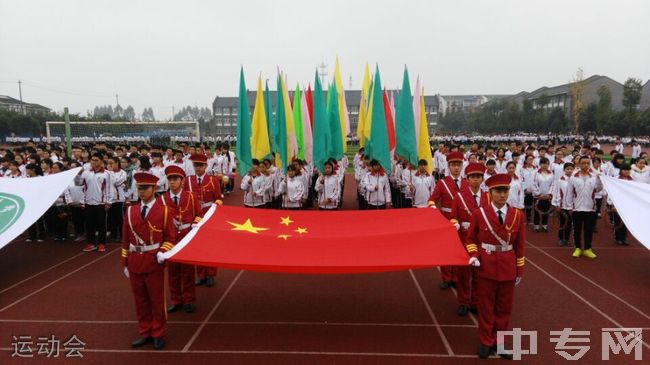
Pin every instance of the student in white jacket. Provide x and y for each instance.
(117, 194)
(377, 187)
(292, 190)
(253, 185)
(328, 188)
(421, 186)
(516, 195)
(640, 171)
(542, 185)
(559, 204)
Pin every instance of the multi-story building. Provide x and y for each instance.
(15, 105)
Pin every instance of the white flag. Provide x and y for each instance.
(632, 202)
(23, 201)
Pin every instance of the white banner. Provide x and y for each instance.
(632, 202)
(23, 201)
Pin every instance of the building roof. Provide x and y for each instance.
(564, 88)
(8, 100)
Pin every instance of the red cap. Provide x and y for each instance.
(145, 178)
(498, 180)
(199, 158)
(474, 168)
(455, 156)
(174, 170)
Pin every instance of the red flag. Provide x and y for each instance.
(310, 106)
(321, 242)
(390, 125)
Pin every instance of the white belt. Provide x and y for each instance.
(206, 205)
(181, 227)
(143, 248)
(495, 248)
(446, 210)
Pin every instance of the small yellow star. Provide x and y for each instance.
(247, 226)
(284, 236)
(301, 230)
(286, 221)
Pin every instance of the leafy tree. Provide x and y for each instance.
(603, 108)
(632, 93)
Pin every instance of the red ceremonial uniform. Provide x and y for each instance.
(208, 192)
(501, 262)
(443, 196)
(181, 276)
(142, 239)
(462, 210)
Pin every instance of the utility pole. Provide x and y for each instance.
(117, 99)
(68, 139)
(173, 114)
(323, 72)
(20, 92)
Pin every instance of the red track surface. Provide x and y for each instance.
(254, 318)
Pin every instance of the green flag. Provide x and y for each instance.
(377, 145)
(406, 146)
(321, 131)
(281, 127)
(335, 149)
(297, 122)
(244, 158)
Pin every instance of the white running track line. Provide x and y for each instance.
(598, 310)
(450, 352)
(43, 272)
(254, 323)
(59, 279)
(245, 352)
(590, 281)
(471, 315)
(214, 309)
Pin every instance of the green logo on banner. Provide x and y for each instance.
(11, 207)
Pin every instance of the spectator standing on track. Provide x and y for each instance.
(377, 187)
(559, 204)
(96, 183)
(582, 187)
(542, 185)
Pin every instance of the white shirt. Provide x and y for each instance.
(148, 205)
(581, 191)
(293, 189)
(329, 189)
(423, 185)
(381, 195)
(503, 210)
(96, 186)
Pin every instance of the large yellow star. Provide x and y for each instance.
(247, 226)
(301, 230)
(284, 236)
(286, 221)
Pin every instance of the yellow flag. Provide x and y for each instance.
(344, 117)
(424, 148)
(292, 144)
(260, 146)
(363, 107)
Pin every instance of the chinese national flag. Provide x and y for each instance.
(317, 242)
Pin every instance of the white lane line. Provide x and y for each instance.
(43, 272)
(450, 352)
(214, 309)
(471, 315)
(59, 279)
(598, 310)
(590, 281)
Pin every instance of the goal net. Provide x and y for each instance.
(124, 132)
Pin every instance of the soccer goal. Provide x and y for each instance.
(124, 132)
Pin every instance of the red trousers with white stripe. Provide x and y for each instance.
(149, 294)
(466, 286)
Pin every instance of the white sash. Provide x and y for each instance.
(487, 222)
(140, 241)
(464, 204)
(447, 188)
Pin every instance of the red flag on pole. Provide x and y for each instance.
(321, 242)
(310, 106)
(390, 124)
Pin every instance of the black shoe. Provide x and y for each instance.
(174, 307)
(484, 352)
(189, 307)
(209, 282)
(462, 310)
(619, 242)
(473, 310)
(199, 282)
(158, 343)
(140, 342)
(625, 243)
(452, 284)
(504, 355)
(444, 285)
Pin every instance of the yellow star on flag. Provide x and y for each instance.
(247, 226)
(301, 230)
(284, 236)
(286, 221)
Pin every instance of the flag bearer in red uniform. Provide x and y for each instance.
(208, 191)
(495, 242)
(443, 196)
(147, 233)
(469, 199)
(186, 213)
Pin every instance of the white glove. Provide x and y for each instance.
(457, 226)
(465, 225)
(194, 225)
(126, 272)
(518, 280)
(160, 257)
(473, 261)
(433, 206)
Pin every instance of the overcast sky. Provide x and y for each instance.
(164, 53)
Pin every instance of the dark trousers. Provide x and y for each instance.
(77, 216)
(406, 203)
(114, 220)
(540, 216)
(96, 224)
(60, 223)
(599, 205)
(362, 202)
(37, 230)
(583, 222)
(375, 207)
(565, 221)
(528, 204)
(49, 219)
(620, 230)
